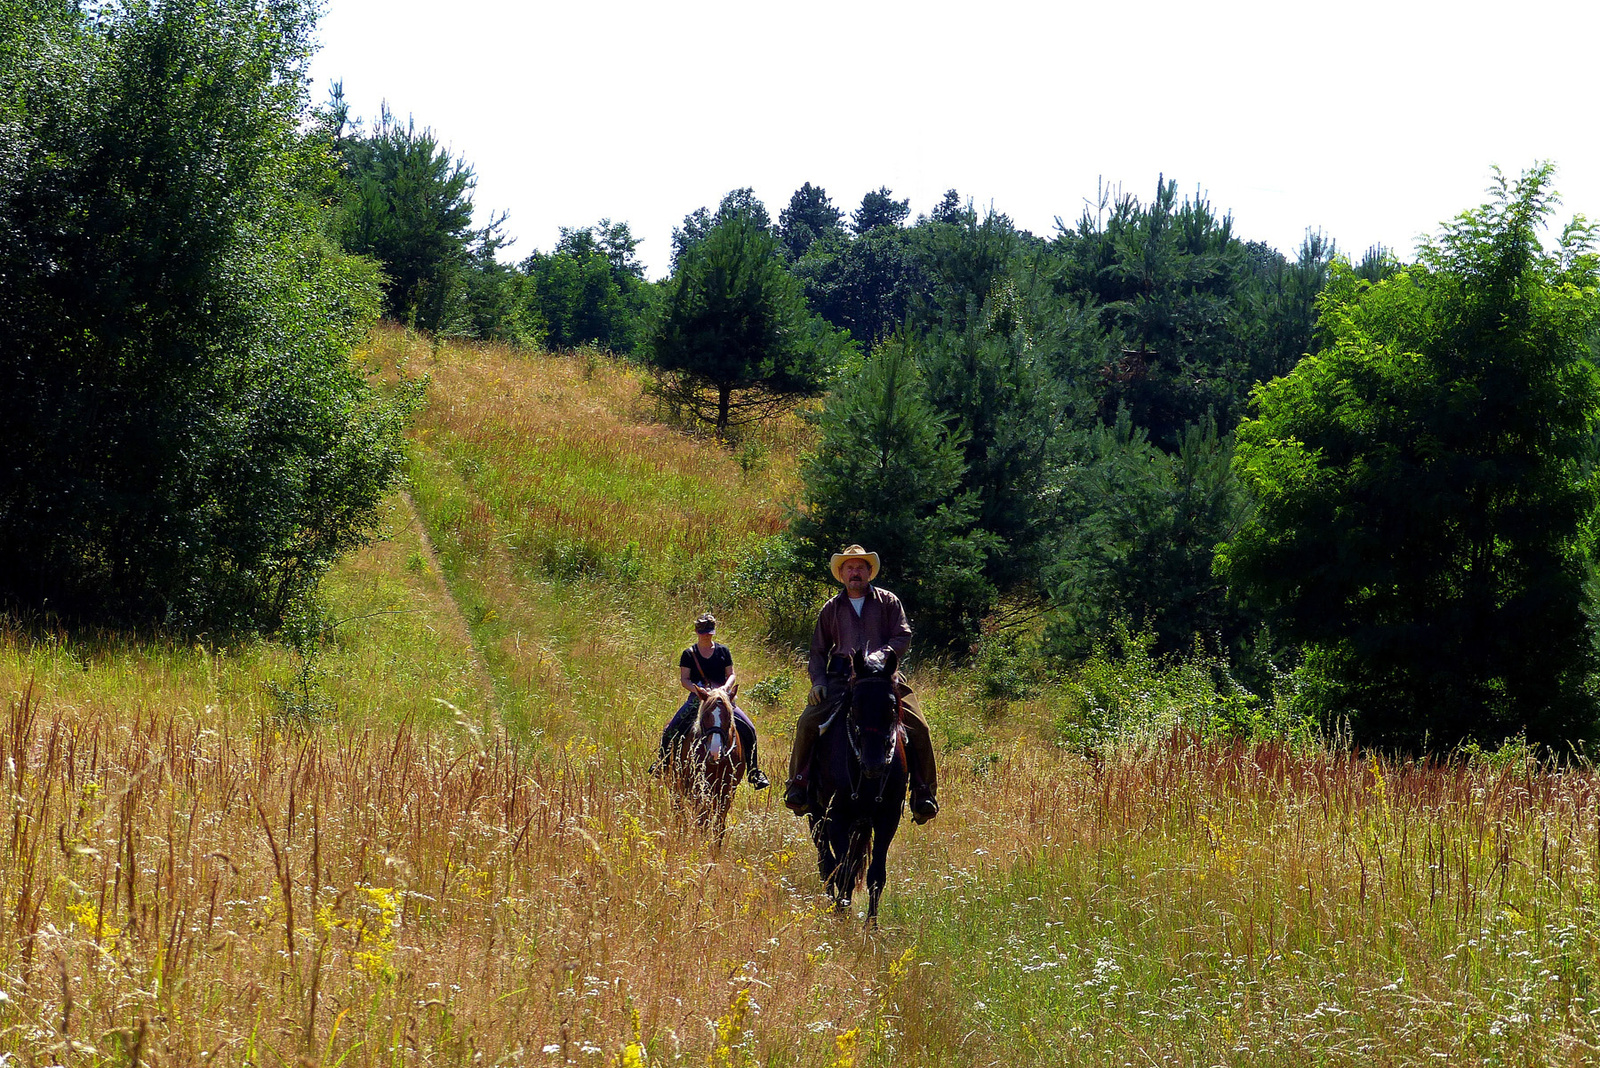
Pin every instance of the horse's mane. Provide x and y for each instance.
(876, 663)
(719, 695)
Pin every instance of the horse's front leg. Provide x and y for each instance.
(830, 858)
(884, 826)
(844, 864)
(853, 854)
(819, 838)
(723, 805)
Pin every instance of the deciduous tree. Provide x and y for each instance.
(866, 285)
(186, 442)
(591, 289)
(1427, 487)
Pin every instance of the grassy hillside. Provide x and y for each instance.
(425, 836)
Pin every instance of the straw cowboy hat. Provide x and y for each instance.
(853, 552)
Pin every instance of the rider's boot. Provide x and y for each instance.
(758, 778)
(676, 730)
(924, 805)
(798, 796)
(919, 763)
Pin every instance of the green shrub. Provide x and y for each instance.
(571, 558)
(771, 690)
(1005, 667)
(1125, 691)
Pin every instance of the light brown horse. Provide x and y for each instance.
(709, 761)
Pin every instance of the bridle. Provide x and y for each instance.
(853, 729)
(724, 726)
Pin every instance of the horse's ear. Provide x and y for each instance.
(733, 691)
(858, 662)
(891, 660)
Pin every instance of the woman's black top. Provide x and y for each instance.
(710, 670)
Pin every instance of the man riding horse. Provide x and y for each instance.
(867, 619)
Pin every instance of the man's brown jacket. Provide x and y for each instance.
(881, 625)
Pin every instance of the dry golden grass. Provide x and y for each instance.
(563, 449)
(249, 894)
(371, 895)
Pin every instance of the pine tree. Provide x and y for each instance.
(409, 206)
(809, 216)
(986, 376)
(887, 474)
(739, 203)
(1145, 528)
(734, 338)
(879, 208)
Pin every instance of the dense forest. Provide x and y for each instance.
(1367, 482)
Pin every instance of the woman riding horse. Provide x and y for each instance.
(709, 761)
(705, 666)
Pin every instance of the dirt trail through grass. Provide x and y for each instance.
(463, 632)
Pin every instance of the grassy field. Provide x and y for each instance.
(425, 835)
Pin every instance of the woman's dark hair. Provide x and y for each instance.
(705, 624)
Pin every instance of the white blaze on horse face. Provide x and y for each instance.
(714, 744)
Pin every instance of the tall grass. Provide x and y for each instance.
(581, 535)
(1258, 904)
(372, 897)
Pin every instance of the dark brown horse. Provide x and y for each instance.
(859, 785)
(709, 761)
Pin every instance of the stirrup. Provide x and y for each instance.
(758, 779)
(796, 798)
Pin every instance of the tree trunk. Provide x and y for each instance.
(724, 399)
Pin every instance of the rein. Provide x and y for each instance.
(728, 730)
(858, 774)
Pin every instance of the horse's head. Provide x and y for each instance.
(874, 718)
(714, 729)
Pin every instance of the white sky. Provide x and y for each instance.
(1371, 120)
